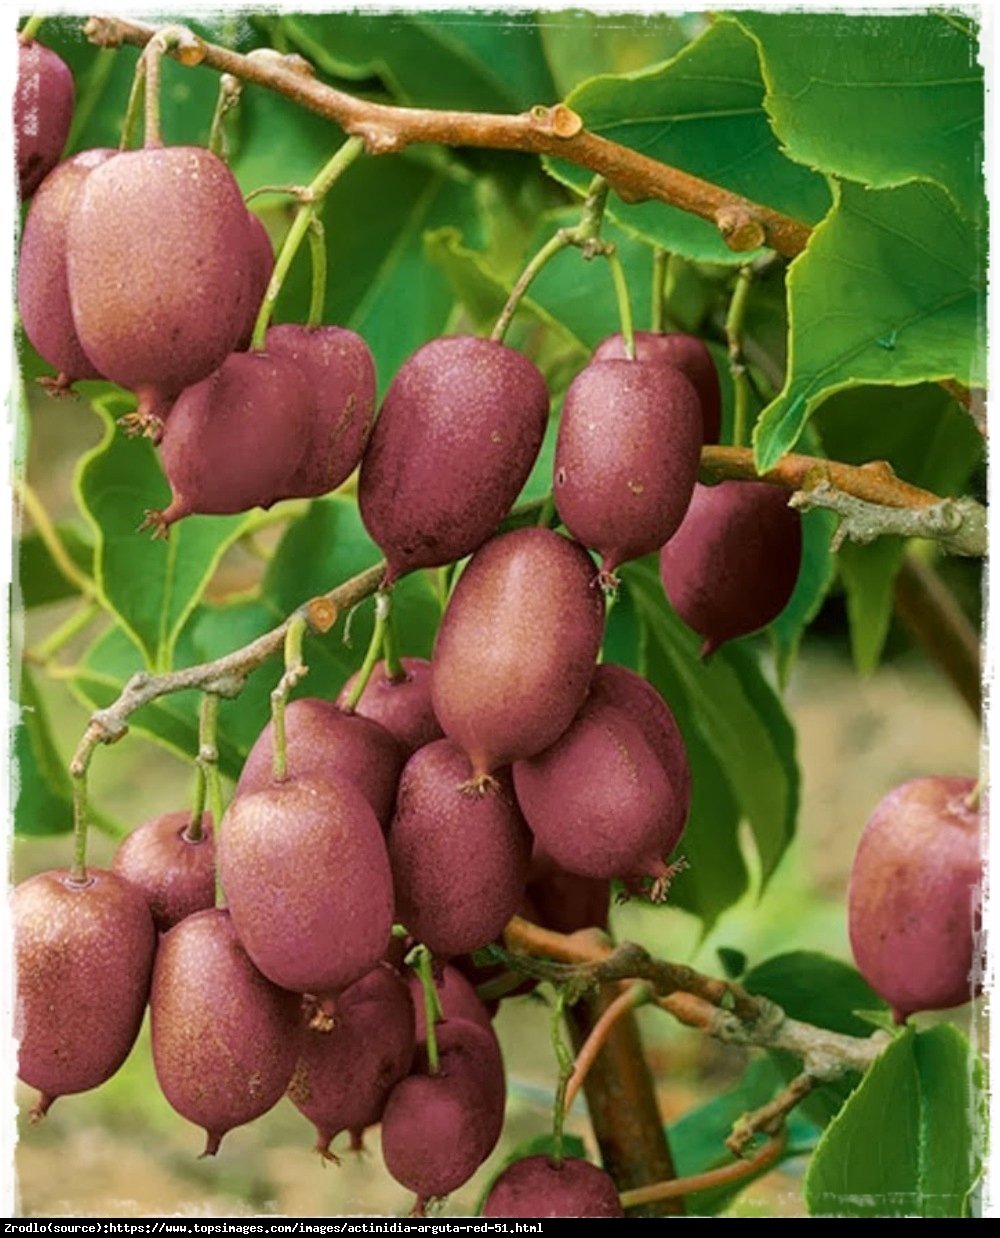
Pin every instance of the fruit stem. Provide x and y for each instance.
(31, 27)
(207, 764)
(585, 235)
(134, 104)
(230, 89)
(295, 669)
(564, 1057)
(395, 671)
(382, 609)
(312, 198)
(78, 772)
(317, 252)
(735, 317)
(420, 959)
(153, 56)
(661, 260)
(624, 302)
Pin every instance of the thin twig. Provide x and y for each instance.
(769, 1119)
(628, 999)
(725, 1175)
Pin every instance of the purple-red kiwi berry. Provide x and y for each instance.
(516, 649)
(732, 565)
(538, 1186)
(43, 111)
(83, 956)
(402, 705)
(457, 434)
(171, 865)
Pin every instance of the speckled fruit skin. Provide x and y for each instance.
(344, 1074)
(234, 439)
(43, 111)
(515, 652)
(626, 457)
(599, 800)
(458, 432)
(175, 876)
(732, 565)
(457, 998)
(261, 256)
(438, 1129)
(225, 1039)
(562, 901)
(42, 287)
(340, 371)
(83, 960)
(689, 355)
(402, 706)
(306, 877)
(914, 896)
(536, 1187)
(619, 686)
(459, 860)
(322, 741)
(159, 261)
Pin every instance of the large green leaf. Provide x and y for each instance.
(829, 74)
(931, 442)
(150, 587)
(816, 575)
(703, 112)
(734, 711)
(581, 45)
(888, 291)
(908, 1142)
(475, 61)
(42, 793)
(817, 989)
(38, 580)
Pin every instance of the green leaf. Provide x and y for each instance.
(702, 112)
(697, 1140)
(482, 61)
(38, 580)
(906, 91)
(150, 587)
(816, 575)
(734, 713)
(929, 441)
(581, 45)
(43, 799)
(908, 1142)
(815, 988)
(734, 962)
(888, 291)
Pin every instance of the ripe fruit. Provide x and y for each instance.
(159, 259)
(225, 1039)
(174, 873)
(261, 268)
(732, 565)
(599, 800)
(307, 881)
(344, 1073)
(83, 957)
(686, 353)
(458, 432)
(234, 439)
(42, 287)
(459, 863)
(626, 458)
(437, 1129)
(403, 706)
(913, 903)
(515, 652)
(43, 110)
(340, 371)
(537, 1186)
(323, 742)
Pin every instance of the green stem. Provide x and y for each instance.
(53, 543)
(735, 318)
(395, 671)
(317, 252)
(382, 609)
(78, 773)
(546, 511)
(230, 89)
(585, 235)
(207, 767)
(134, 105)
(31, 27)
(564, 1057)
(661, 260)
(153, 56)
(314, 194)
(420, 959)
(194, 832)
(624, 302)
(81, 618)
(295, 669)
(674, 266)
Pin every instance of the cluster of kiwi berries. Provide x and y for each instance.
(510, 774)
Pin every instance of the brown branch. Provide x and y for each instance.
(726, 1175)
(543, 130)
(627, 1000)
(928, 610)
(769, 1119)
